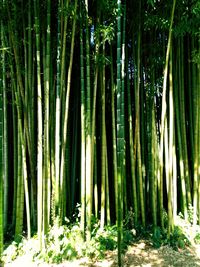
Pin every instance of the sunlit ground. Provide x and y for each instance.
(139, 254)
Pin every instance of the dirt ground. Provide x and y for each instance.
(141, 254)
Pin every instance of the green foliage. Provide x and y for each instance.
(109, 8)
(66, 243)
(191, 208)
(186, 20)
(196, 56)
(178, 239)
(196, 8)
(128, 238)
(183, 235)
(106, 32)
(129, 219)
(20, 247)
(102, 241)
(151, 2)
(67, 11)
(101, 60)
(197, 238)
(10, 253)
(157, 237)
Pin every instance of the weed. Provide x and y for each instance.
(197, 238)
(178, 239)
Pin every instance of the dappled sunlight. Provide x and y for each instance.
(139, 254)
(143, 254)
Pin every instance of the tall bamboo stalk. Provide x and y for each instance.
(163, 116)
(137, 122)
(103, 143)
(88, 130)
(114, 152)
(1, 158)
(171, 145)
(196, 152)
(56, 183)
(5, 135)
(66, 112)
(46, 184)
(83, 157)
(40, 128)
(119, 137)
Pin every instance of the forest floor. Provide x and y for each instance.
(138, 254)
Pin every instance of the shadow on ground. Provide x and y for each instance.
(140, 254)
(143, 254)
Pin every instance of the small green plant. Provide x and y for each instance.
(10, 253)
(191, 214)
(66, 242)
(197, 238)
(128, 238)
(61, 244)
(157, 237)
(178, 239)
(107, 238)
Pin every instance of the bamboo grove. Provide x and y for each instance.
(99, 105)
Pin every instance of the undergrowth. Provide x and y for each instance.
(67, 242)
(183, 235)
